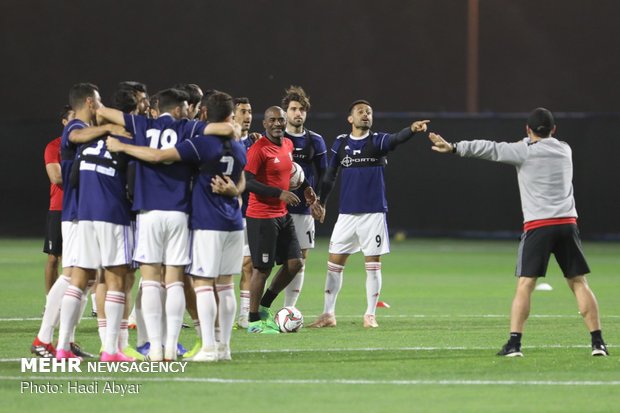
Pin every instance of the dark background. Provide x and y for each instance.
(408, 58)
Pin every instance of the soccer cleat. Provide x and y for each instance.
(66, 354)
(370, 321)
(181, 350)
(133, 353)
(599, 349)
(144, 348)
(77, 350)
(260, 327)
(243, 321)
(155, 354)
(510, 350)
(207, 354)
(223, 352)
(195, 349)
(324, 320)
(41, 349)
(131, 322)
(116, 357)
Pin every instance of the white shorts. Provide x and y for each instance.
(304, 229)
(162, 237)
(102, 244)
(246, 246)
(216, 253)
(367, 232)
(69, 244)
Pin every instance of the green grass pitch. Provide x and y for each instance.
(433, 352)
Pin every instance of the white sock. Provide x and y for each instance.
(123, 338)
(93, 302)
(80, 315)
(152, 311)
(175, 308)
(244, 303)
(68, 315)
(292, 291)
(333, 283)
(207, 309)
(226, 310)
(52, 308)
(101, 328)
(197, 327)
(114, 307)
(142, 337)
(373, 286)
(164, 324)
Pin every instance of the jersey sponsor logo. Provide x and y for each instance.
(265, 258)
(276, 160)
(347, 161)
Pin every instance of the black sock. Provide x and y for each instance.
(268, 298)
(515, 338)
(597, 336)
(254, 317)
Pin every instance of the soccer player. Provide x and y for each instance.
(216, 221)
(195, 96)
(162, 200)
(243, 117)
(53, 235)
(94, 196)
(271, 232)
(55, 287)
(361, 223)
(545, 174)
(311, 154)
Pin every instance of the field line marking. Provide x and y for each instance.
(325, 381)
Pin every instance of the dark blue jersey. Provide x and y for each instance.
(164, 187)
(68, 152)
(245, 197)
(215, 155)
(310, 153)
(362, 160)
(102, 184)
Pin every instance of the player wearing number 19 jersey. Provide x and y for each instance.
(362, 221)
(162, 201)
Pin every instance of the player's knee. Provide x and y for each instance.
(294, 265)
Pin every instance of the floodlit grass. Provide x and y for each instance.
(433, 352)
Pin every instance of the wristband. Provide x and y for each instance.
(454, 147)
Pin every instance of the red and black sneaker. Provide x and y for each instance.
(41, 349)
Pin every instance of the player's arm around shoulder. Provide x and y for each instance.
(143, 153)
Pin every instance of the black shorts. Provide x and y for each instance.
(53, 234)
(560, 240)
(272, 240)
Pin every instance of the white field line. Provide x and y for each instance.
(431, 316)
(370, 349)
(325, 381)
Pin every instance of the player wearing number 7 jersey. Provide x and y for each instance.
(162, 201)
(216, 221)
(363, 206)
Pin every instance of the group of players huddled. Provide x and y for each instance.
(176, 185)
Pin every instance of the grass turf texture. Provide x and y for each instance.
(433, 352)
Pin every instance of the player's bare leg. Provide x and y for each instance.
(588, 307)
(51, 271)
(333, 283)
(521, 303)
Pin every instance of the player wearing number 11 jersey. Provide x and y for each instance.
(362, 221)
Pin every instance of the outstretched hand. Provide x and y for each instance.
(439, 144)
(419, 126)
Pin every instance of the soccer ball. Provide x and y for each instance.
(289, 319)
(297, 177)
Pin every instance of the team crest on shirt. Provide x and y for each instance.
(276, 160)
(265, 258)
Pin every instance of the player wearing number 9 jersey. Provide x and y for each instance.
(362, 221)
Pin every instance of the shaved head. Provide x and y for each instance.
(273, 110)
(274, 123)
